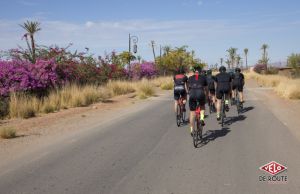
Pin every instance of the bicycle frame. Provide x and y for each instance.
(180, 117)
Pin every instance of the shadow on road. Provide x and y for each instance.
(231, 120)
(211, 135)
(246, 109)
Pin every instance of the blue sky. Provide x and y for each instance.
(209, 27)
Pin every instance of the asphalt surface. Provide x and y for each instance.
(143, 151)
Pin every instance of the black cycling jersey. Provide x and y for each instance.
(197, 82)
(238, 79)
(223, 81)
(210, 79)
(180, 79)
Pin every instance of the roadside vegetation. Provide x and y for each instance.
(284, 86)
(45, 79)
(22, 105)
(7, 132)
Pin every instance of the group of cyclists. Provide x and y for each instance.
(202, 86)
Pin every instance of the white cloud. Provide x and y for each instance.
(89, 24)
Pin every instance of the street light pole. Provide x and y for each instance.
(134, 39)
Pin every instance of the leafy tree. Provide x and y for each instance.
(294, 62)
(176, 57)
(31, 28)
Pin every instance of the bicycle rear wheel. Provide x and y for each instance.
(178, 115)
(200, 130)
(183, 115)
(196, 134)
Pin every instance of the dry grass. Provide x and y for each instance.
(164, 83)
(120, 87)
(25, 106)
(145, 89)
(284, 86)
(7, 132)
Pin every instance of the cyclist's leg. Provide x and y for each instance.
(227, 96)
(213, 94)
(219, 98)
(192, 106)
(201, 100)
(184, 96)
(176, 98)
(233, 92)
(241, 94)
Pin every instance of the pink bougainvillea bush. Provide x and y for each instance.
(17, 75)
(143, 70)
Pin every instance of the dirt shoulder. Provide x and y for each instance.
(287, 111)
(48, 127)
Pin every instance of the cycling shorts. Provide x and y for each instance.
(196, 96)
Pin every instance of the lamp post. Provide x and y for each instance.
(134, 40)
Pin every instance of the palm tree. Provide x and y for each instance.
(232, 53)
(31, 28)
(228, 63)
(238, 60)
(265, 59)
(246, 56)
(167, 50)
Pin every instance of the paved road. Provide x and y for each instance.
(145, 152)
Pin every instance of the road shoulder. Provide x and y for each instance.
(287, 111)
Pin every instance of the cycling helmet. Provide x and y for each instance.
(238, 70)
(209, 72)
(222, 69)
(197, 68)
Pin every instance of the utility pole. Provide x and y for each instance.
(152, 44)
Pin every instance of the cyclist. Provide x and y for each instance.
(223, 86)
(180, 86)
(210, 79)
(197, 87)
(238, 83)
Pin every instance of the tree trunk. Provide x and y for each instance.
(33, 48)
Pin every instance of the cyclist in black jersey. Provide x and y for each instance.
(238, 82)
(180, 86)
(197, 87)
(223, 86)
(210, 79)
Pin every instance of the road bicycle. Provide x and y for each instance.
(211, 105)
(197, 131)
(239, 105)
(180, 113)
(222, 113)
